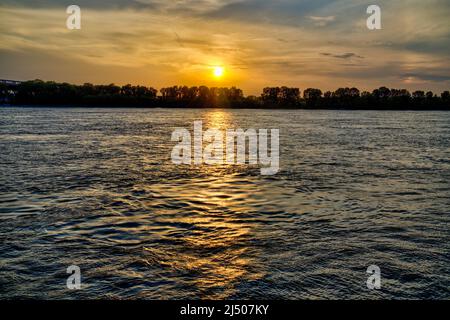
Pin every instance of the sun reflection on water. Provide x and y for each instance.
(207, 217)
(219, 119)
(212, 237)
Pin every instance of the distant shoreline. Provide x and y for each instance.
(4, 106)
(39, 93)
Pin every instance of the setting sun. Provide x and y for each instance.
(218, 72)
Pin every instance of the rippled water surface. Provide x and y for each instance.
(96, 188)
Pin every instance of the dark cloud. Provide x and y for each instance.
(427, 76)
(430, 45)
(283, 12)
(347, 55)
(93, 4)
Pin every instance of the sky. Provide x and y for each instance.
(300, 43)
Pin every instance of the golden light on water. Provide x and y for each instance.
(219, 119)
(212, 246)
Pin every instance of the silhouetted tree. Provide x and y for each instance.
(312, 97)
(284, 96)
(445, 96)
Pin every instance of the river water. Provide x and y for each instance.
(96, 188)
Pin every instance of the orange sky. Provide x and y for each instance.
(259, 43)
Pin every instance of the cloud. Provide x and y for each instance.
(283, 12)
(84, 4)
(426, 77)
(322, 21)
(343, 55)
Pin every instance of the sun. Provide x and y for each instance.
(218, 72)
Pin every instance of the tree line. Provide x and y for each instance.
(37, 92)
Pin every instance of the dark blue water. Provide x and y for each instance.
(96, 188)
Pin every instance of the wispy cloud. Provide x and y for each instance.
(347, 55)
(322, 21)
(427, 77)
